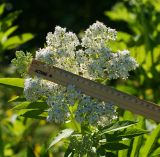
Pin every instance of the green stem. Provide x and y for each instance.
(1, 144)
(73, 120)
(146, 32)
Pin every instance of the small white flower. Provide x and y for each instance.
(72, 95)
(36, 88)
(97, 35)
(120, 65)
(59, 111)
(93, 111)
(45, 55)
(64, 43)
(54, 40)
(32, 89)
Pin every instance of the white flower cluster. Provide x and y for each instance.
(92, 111)
(60, 50)
(120, 64)
(45, 55)
(92, 58)
(96, 36)
(59, 102)
(35, 88)
(58, 111)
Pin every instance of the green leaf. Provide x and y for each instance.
(43, 152)
(2, 7)
(122, 12)
(68, 152)
(9, 32)
(127, 133)
(135, 52)
(127, 89)
(16, 82)
(7, 21)
(156, 5)
(17, 99)
(110, 154)
(14, 41)
(123, 36)
(116, 126)
(31, 105)
(130, 133)
(33, 113)
(103, 152)
(114, 146)
(127, 115)
(125, 152)
(64, 134)
(151, 140)
(156, 153)
(138, 141)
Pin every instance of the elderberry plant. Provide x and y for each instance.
(90, 57)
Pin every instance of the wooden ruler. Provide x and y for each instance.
(96, 90)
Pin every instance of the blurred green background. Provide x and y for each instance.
(24, 25)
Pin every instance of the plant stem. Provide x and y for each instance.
(146, 34)
(73, 120)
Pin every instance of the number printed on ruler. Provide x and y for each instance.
(96, 90)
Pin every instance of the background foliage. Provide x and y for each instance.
(138, 24)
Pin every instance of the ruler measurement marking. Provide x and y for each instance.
(94, 89)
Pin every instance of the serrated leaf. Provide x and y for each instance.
(15, 82)
(64, 134)
(116, 126)
(114, 146)
(31, 105)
